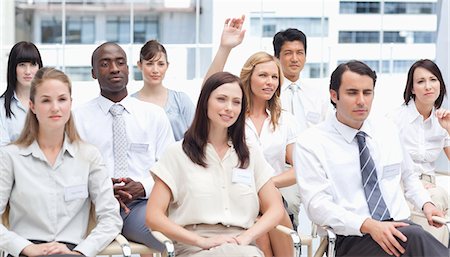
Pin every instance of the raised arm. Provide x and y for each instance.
(232, 36)
(443, 116)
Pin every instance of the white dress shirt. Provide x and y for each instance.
(314, 101)
(220, 193)
(327, 166)
(10, 128)
(424, 140)
(148, 130)
(52, 203)
(272, 142)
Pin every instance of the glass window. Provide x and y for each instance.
(145, 28)
(359, 36)
(118, 29)
(312, 70)
(359, 7)
(51, 30)
(79, 73)
(402, 66)
(424, 37)
(80, 30)
(409, 8)
(393, 37)
(312, 27)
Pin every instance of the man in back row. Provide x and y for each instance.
(130, 134)
(355, 168)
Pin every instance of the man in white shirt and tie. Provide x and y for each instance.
(309, 104)
(354, 175)
(130, 134)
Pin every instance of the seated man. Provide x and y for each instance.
(130, 134)
(350, 171)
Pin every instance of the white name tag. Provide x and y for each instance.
(391, 170)
(139, 148)
(313, 117)
(242, 176)
(75, 192)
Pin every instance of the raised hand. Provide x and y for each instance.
(232, 34)
(443, 116)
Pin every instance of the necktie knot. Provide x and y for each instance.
(361, 138)
(116, 110)
(294, 87)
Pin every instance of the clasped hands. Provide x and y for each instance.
(127, 190)
(47, 249)
(211, 242)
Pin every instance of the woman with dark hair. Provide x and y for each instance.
(269, 127)
(50, 179)
(424, 130)
(23, 62)
(153, 63)
(210, 187)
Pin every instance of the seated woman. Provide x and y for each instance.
(210, 187)
(424, 129)
(49, 178)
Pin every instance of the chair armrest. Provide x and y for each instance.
(296, 240)
(123, 242)
(442, 221)
(166, 241)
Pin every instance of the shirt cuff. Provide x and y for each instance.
(18, 244)
(147, 183)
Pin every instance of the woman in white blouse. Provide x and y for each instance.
(267, 125)
(49, 178)
(210, 188)
(424, 130)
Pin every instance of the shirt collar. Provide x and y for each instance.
(105, 104)
(413, 113)
(36, 151)
(349, 133)
(287, 83)
(18, 103)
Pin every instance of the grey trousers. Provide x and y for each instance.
(419, 243)
(134, 228)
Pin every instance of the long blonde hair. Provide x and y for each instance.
(31, 127)
(273, 104)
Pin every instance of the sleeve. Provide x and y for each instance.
(292, 127)
(263, 170)
(4, 137)
(188, 109)
(414, 190)
(10, 241)
(166, 168)
(109, 222)
(317, 191)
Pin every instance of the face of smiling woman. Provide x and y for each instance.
(224, 105)
(52, 104)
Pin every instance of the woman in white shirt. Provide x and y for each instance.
(424, 130)
(210, 188)
(23, 62)
(49, 178)
(267, 125)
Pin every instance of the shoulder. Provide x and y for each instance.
(144, 108)
(180, 96)
(87, 106)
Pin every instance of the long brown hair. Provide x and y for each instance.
(31, 128)
(273, 104)
(195, 138)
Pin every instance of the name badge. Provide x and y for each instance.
(75, 192)
(313, 117)
(391, 170)
(242, 176)
(435, 139)
(139, 148)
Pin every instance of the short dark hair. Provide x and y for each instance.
(151, 49)
(195, 138)
(434, 69)
(353, 66)
(22, 51)
(95, 52)
(287, 35)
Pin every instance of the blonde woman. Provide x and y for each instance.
(49, 178)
